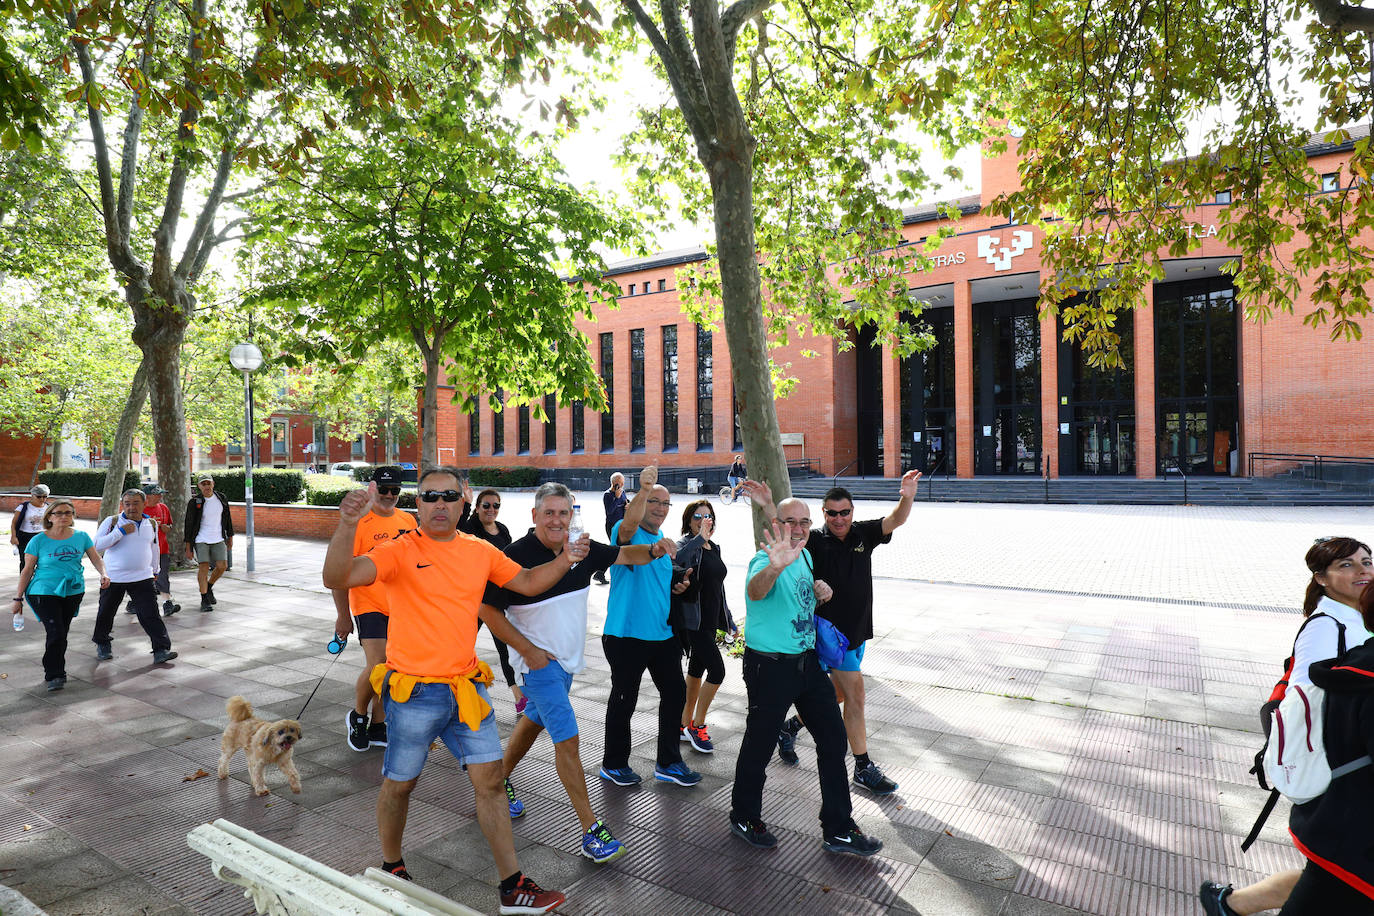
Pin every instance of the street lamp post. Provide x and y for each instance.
(245, 357)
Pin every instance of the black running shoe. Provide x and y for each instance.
(851, 842)
(376, 734)
(169, 608)
(210, 594)
(871, 778)
(787, 747)
(357, 731)
(1213, 897)
(753, 831)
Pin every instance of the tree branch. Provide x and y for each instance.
(181, 163)
(203, 232)
(682, 77)
(1343, 17)
(717, 70)
(733, 19)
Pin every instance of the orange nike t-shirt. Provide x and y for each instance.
(434, 589)
(372, 530)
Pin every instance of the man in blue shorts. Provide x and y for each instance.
(843, 555)
(553, 630)
(432, 683)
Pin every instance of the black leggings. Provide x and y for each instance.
(56, 613)
(1320, 893)
(703, 656)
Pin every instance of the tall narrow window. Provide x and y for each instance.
(474, 427)
(670, 387)
(498, 425)
(579, 429)
(705, 432)
(522, 429)
(637, 390)
(608, 381)
(734, 410)
(550, 424)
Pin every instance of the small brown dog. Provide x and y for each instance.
(262, 743)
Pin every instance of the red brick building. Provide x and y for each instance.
(1000, 393)
(299, 440)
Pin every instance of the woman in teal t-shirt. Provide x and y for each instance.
(54, 582)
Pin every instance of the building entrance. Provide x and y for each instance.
(1006, 387)
(1196, 387)
(927, 392)
(869, 391)
(1098, 404)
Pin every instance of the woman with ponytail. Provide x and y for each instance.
(1341, 569)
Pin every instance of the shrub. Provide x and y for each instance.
(326, 489)
(270, 485)
(520, 476)
(81, 481)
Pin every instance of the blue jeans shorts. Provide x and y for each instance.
(852, 660)
(432, 712)
(549, 706)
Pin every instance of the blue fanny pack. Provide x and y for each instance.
(831, 644)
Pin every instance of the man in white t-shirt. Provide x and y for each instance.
(209, 535)
(129, 544)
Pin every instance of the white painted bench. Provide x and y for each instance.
(282, 882)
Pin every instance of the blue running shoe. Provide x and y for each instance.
(517, 807)
(599, 846)
(621, 776)
(678, 773)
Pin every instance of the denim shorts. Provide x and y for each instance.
(432, 712)
(852, 659)
(549, 706)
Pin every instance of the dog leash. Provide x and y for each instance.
(335, 647)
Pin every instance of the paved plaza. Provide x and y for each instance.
(1067, 696)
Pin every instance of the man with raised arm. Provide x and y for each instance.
(553, 630)
(842, 551)
(637, 637)
(781, 669)
(432, 683)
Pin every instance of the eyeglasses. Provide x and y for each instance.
(659, 502)
(388, 491)
(60, 512)
(490, 506)
(838, 513)
(702, 515)
(796, 522)
(448, 496)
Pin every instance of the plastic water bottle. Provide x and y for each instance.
(18, 621)
(575, 529)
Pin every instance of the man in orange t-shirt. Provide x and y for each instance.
(369, 607)
(433, 685)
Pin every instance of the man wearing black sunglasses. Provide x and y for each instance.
(843, 554)
(368, 606)
(433, 684)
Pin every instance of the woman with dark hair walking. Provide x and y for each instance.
(1341, 569)
(701, 597)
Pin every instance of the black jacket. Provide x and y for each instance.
(196, 508)
(1333, 830)
(689, 556)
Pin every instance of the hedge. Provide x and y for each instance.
(270, 485)
(329, 490)
(520, 476)
(81, 481)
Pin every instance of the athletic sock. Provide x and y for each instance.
(508, 884)
(860, 761)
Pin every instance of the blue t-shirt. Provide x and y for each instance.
(59, 571)
(784, 619)
(638, 604)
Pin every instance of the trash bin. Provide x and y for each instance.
(693, 485)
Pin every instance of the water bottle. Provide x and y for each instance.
(575, 529)
(18, 621)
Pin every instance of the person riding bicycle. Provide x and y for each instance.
(736, 476)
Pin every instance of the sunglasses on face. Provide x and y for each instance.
(699, 516)
(659, 502)
(837, 513)
(61, 512)
(491, 505)
(388, 491)
(448, 496)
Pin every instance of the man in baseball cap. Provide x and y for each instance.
(367, 607)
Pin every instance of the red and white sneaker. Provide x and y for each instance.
(528, 897)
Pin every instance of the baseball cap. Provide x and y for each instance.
(205, 477)
(387, 476)
(152, 489)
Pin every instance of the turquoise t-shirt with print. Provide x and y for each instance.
(784, 619)
(59, 570)
(637, 606)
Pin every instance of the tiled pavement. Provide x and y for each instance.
(1058, 751)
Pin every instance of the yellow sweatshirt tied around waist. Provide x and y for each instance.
(472, 709)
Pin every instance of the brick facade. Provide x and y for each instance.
(316, 522)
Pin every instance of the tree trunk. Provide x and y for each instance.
(123, 441)
(732, 185)
(429, 412)
(163, 329)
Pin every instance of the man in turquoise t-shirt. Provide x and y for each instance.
(637, 637)
(781, 669)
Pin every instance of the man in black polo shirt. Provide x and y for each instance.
(843, 555)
